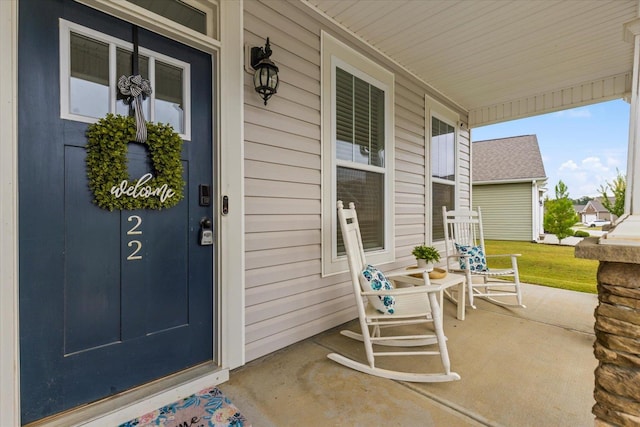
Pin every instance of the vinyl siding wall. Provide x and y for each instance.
(507, 211)
(287, 299)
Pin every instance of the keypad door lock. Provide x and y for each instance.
(206, 232)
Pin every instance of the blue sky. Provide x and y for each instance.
(582, 146)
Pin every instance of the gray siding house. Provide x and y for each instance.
(508, 184)
(109, 314)
(593, 210)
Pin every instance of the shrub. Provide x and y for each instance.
(581, 233)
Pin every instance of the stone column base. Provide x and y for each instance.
(617, 328)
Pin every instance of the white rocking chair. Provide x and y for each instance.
(414, 305)
(464, 239)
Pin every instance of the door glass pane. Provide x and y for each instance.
(442, 196)
(124, 67)
(169, 101)
(89, 80)
(443, 149)
(366, 190)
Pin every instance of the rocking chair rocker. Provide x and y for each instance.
(465, 253)
(414, 305)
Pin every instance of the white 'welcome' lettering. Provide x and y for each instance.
(142, 190)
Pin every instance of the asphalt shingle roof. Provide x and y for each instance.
(507, 159)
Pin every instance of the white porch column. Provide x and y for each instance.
(627, 230)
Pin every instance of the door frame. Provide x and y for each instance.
(228, 81)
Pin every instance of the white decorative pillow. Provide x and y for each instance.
(372, 279)
(477, 260)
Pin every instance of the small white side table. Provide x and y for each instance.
(452, 279)
(411, 275)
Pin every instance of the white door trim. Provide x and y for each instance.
(9, 338)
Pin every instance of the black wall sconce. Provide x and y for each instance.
(265, 79)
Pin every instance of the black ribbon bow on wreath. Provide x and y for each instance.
(136, 89)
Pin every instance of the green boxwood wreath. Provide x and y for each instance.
(107, 163)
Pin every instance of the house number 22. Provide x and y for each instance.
(136, 245)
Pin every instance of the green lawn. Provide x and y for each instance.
(548, 265)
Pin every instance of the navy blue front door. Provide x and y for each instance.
(109, 300)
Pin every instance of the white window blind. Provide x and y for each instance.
(360, 148)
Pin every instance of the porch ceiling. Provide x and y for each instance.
(501, 60)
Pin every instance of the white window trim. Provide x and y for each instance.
(435, 109)
(67, 27)
(336, 53)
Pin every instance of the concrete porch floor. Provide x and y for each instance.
(519, 367)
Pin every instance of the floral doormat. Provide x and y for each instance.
(207, 408)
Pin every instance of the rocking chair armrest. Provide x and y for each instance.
(502, 255)
(405, 291)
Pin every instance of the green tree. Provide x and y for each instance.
(559, 214)
(582, 200)
(619, 188)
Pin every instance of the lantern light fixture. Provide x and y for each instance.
(265, 78)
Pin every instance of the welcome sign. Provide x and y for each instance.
(141, 190)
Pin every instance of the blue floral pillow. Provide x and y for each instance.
(372, 279)
(477, 260)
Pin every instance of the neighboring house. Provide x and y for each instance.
(107, 315)
(594, 209)
(508, 185)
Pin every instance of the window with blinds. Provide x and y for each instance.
(358, 115)
(443, 173)
(360, 145)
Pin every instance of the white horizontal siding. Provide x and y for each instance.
(464, 168)
(507, 213)
(286, 297)
(410, 191)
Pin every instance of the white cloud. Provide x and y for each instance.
(568, 165)
(585, 177)
(594, 164)
(575, 113)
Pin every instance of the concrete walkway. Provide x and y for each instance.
(519, 367)
(552, 239)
